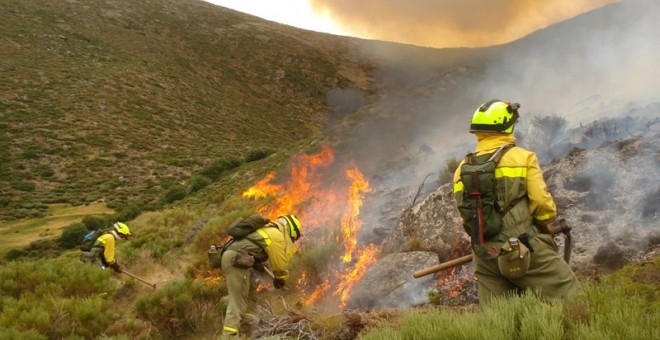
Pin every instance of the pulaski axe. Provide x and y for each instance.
(153, 285)
(563, 227)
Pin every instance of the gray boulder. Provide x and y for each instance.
(389, 283)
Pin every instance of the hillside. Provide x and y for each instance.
(119, 100)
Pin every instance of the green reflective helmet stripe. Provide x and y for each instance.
(294, 226)
(495, 116)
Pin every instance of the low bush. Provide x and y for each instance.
(218, 167)
(197, 183)
(94, 222)
(175, 193)
(50, 277)
(23, 185)
(255, 155)
(182, 307)
(72, 235)
(159, 232)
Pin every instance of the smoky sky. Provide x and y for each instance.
(450, 23)
(601, 64)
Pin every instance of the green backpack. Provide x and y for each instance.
(482, 218)
(241, 228)
(238, 230)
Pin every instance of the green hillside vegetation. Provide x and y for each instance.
(122, 100)
(159, 113)
(60, 298)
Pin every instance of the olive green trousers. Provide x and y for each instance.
(242, 294)
(548, 275)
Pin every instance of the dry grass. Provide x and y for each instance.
(16, 234)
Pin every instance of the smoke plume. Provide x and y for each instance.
(602, 64)
(449, 23)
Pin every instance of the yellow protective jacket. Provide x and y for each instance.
(270, 242)
(107, 241)
(519, 180)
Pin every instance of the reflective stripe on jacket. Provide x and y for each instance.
(519, 181)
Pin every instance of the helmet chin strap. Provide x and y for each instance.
(114, 233)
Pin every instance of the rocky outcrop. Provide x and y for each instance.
(610, 195)
(432, 225)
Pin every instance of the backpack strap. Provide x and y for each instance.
(497, 155)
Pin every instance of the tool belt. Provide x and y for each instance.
(501, 239)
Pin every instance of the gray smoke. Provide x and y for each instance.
(599, 65)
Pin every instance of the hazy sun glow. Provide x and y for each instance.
(296, 13)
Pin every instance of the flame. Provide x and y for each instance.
(263, 188)
(454, 280)
(318, 293)
(350, 223)
(302, 186)
(322, 199)
(365, 259)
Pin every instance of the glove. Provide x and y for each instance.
(279, 283)
(115, 266)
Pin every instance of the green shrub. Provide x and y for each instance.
(182, 307)
(127, 213)
(255, 155)
(159, 232)
(53, 277)
(94, 222)
(31, 334)
(14, 254)
(72, 235)
(44, 171)
(197, 183)
(23, 185)
(218, 167)
(42, 249)
(175, 193)
(29, 154)
(57, 317)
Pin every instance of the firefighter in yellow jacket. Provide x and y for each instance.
(103, 249)
(272, 243)
(523, 254)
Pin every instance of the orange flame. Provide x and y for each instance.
(308, 192)
(318, 293)
(301, 187)
(263, 188)
(350, 223)
(365, 259)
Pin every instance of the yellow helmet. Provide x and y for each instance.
(495, 116)
(122, 229)
(294, 226)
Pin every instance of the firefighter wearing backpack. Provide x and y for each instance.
(272, 242)
(507, 217)
(103, 248)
